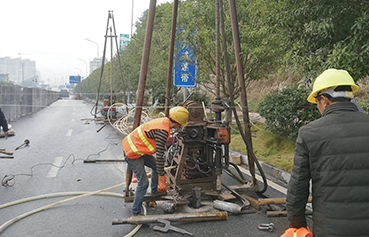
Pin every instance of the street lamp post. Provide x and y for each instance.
(80, 89)
(86, 66)
(96, 45)
(79, 70)
(132, 19)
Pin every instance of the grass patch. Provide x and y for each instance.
(268, 147)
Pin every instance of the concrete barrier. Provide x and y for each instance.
(17, 101)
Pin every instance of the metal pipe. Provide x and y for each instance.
(6, 152)
(102, 66)
(217, 51)
(196, 197)
(241, 82)
(228, 206)
(242, 198)
(230, 84)
(265, 201)
(171, 53)
(187, 217)
(219, 167)
(283, 213)
(132, 19)
(144, 63)
(142, 79)
(217, 102)
(111, 66)
(120, 64)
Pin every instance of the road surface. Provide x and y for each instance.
(62, 136)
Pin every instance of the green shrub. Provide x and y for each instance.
(365, 105)
(287, 110)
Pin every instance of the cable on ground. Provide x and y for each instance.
(9, 179)
(125, 124)
(82, 195)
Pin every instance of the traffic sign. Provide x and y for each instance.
(123, 41)
(74, 79)
(184, 72)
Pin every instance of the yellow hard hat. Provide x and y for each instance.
(330, 79)
(179, 114)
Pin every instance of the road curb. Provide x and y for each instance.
(270, 170)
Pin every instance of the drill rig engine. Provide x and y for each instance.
(198, 152)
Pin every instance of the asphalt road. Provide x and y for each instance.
(61, 137)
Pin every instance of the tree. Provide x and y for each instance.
(259, 45)
(287, 110)
(323, 34)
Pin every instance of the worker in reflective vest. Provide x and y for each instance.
(141, 144)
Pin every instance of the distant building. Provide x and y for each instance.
(95, 64)
(4, 77)
(30, 82)
(18, 70)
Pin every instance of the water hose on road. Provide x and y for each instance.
(84, 194)
(5, 225)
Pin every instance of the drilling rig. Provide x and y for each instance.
(198, 152)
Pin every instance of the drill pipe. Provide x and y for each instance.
(202, 216)
(265, 201)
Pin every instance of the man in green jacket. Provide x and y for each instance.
(333, 153)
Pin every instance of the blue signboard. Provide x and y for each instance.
(184, 72)
(123, 41)
(74, 79)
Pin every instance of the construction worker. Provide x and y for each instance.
(141, 144)
(333, 153)
(4, 124)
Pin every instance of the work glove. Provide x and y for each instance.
(162, 186)
(294, 232)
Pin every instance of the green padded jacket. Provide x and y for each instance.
(333, 153)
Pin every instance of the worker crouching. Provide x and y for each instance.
(141, 144)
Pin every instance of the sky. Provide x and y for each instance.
(54, 33)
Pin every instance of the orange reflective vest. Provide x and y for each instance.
(294, 232)
(137, 144)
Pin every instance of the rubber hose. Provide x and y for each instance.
(84, 194)
(248, 147)
(99, 192)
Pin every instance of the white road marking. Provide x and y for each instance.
(54, 169)
(69, 133)
(270, 183)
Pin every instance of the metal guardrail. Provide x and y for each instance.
(17, 101)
